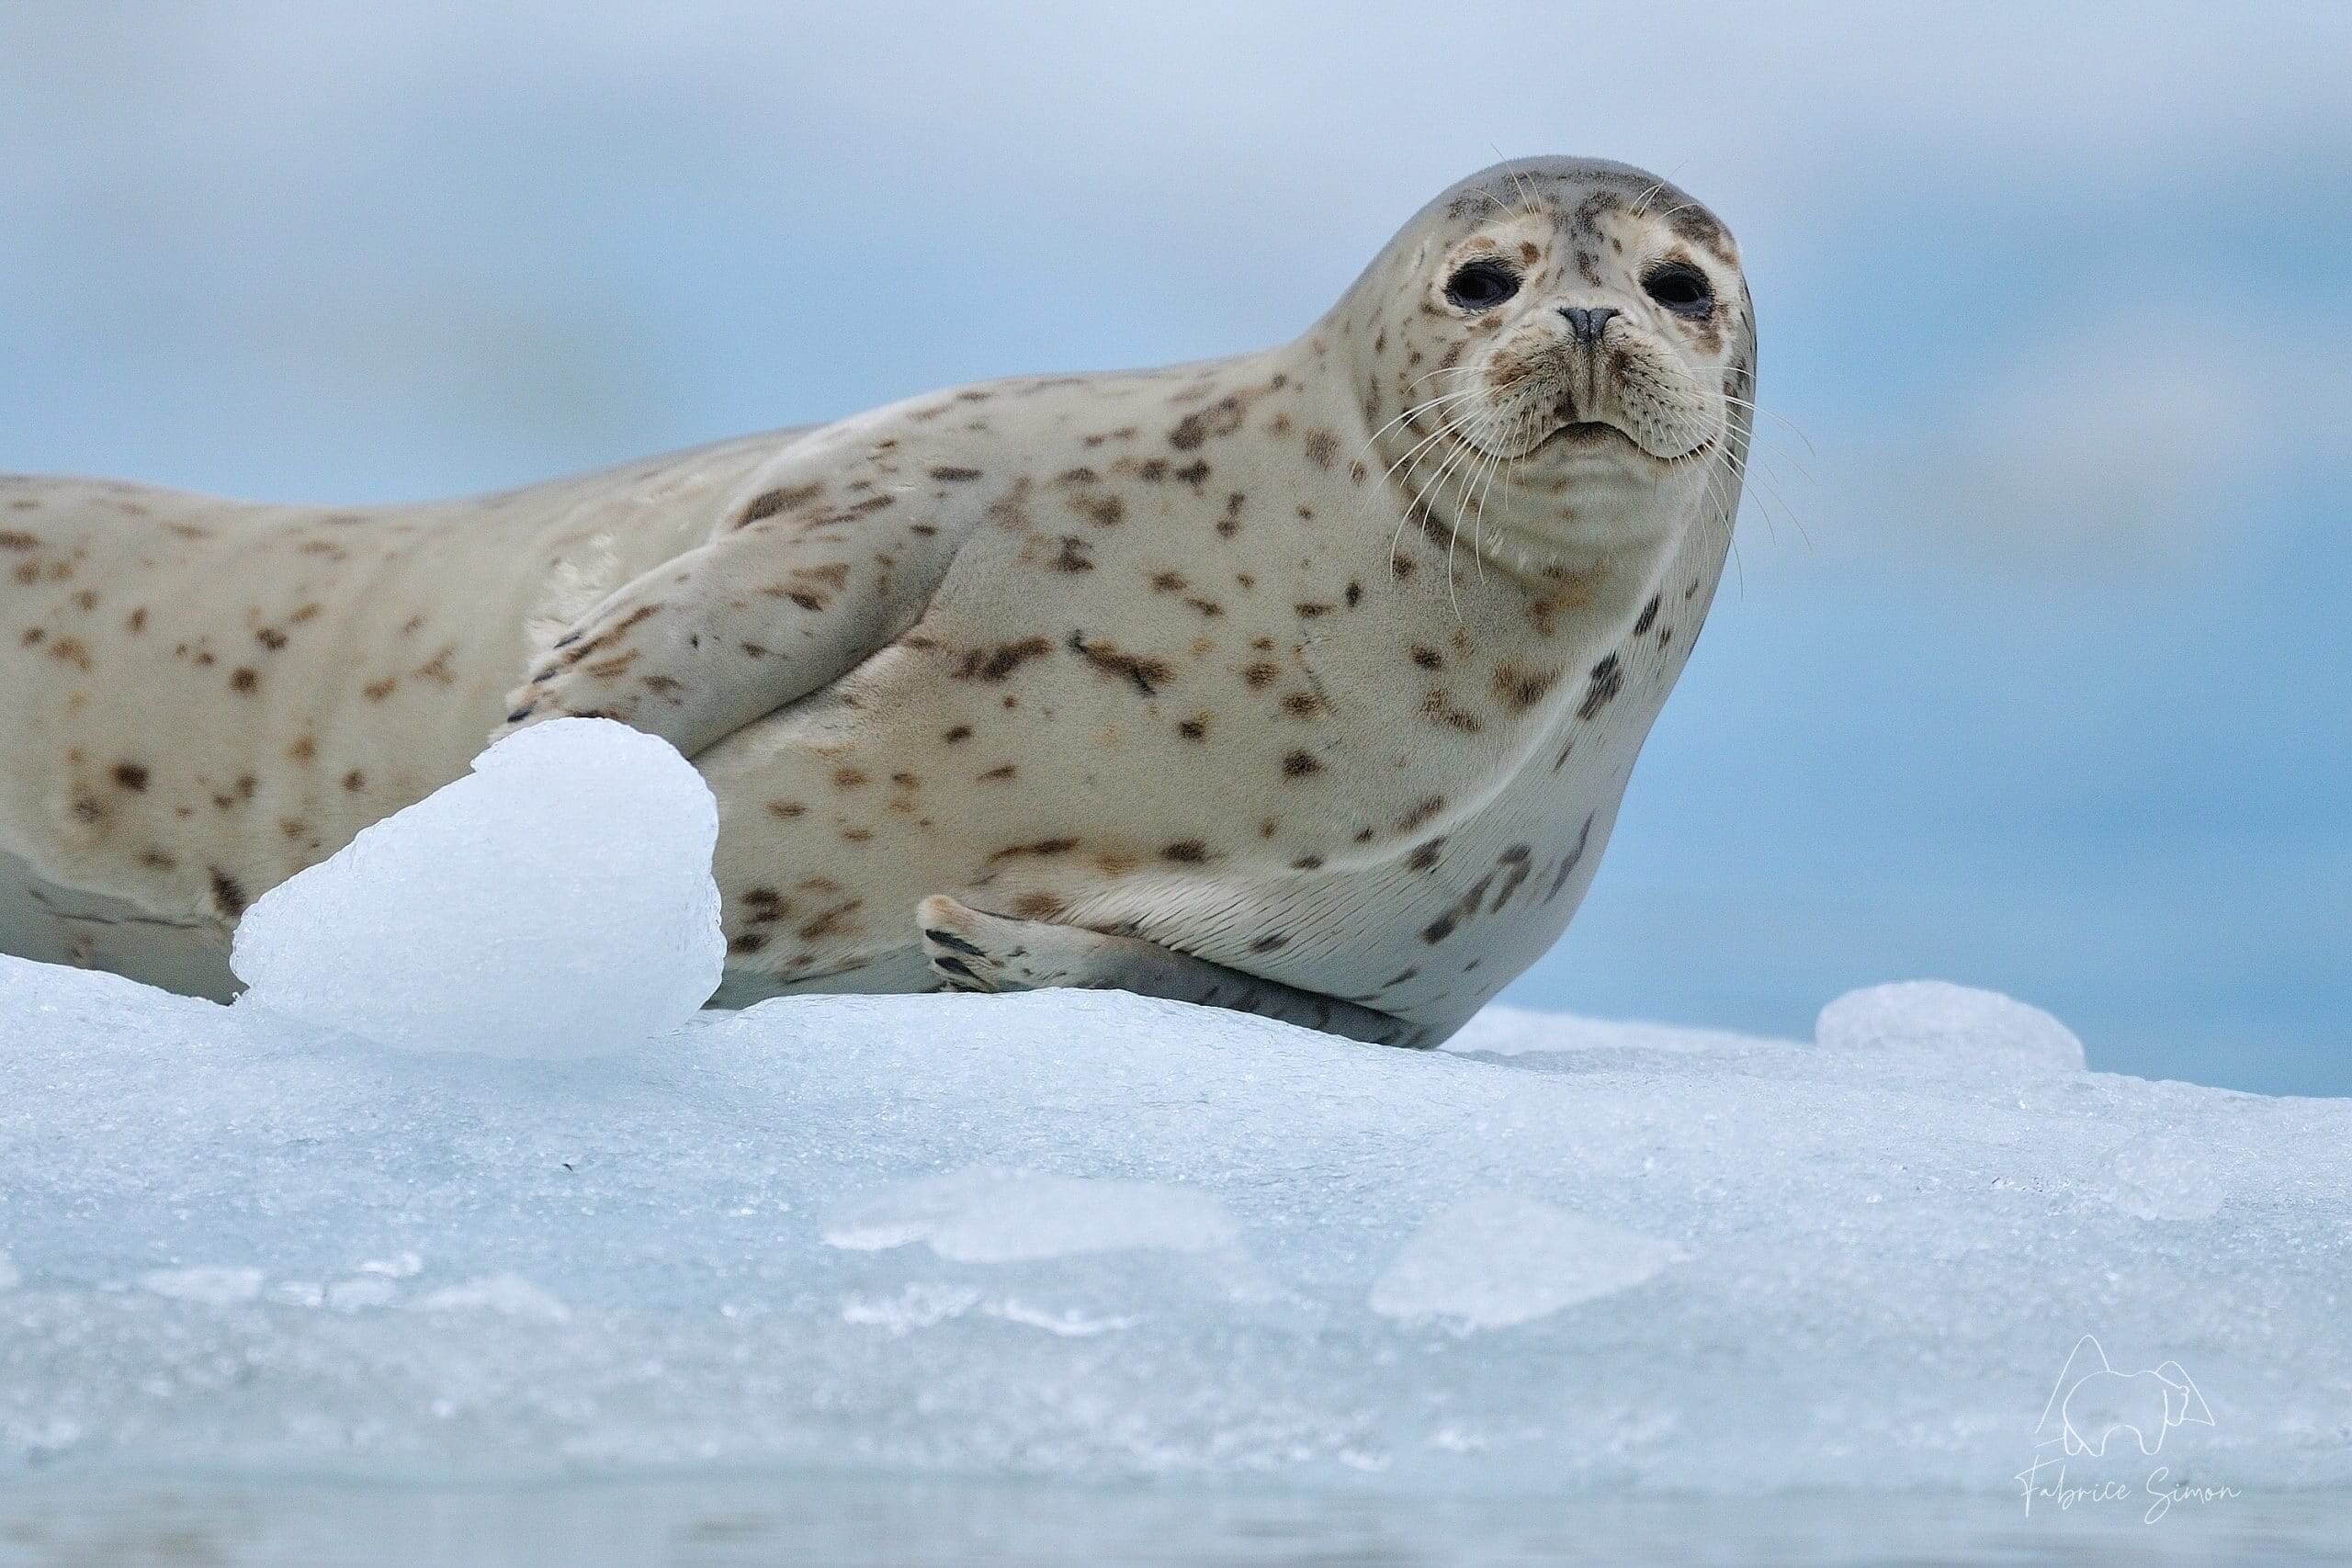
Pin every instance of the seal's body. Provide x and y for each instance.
(1307, 680)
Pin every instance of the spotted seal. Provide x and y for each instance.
(1306, 681)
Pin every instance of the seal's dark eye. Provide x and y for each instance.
(1682, 289)
(1481, 284)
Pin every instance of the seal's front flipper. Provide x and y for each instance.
(975, 952)
(726, 634)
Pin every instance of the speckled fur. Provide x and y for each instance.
(1228, 678)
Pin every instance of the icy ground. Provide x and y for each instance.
(379, 1219)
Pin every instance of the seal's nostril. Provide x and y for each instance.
(1587, 323)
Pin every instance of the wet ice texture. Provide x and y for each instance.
(1498, 1259)
(1084, 1233)
(1088, 1234)
(558, 902)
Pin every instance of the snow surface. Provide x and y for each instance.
(1086, 1234)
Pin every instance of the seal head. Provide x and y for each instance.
(1558, 353)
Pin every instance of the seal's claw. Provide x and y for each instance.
(955, 941)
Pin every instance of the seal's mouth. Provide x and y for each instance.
(1594, 437)
(1599, 438)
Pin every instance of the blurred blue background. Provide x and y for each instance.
(2033, 673)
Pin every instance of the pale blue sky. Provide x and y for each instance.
(2034, 673)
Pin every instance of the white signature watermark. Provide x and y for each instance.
(2091, 1410)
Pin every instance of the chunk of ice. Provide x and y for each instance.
(556, 902)
(211, 1285)
(1498, 1259)
(506, 1294)
(986, 1216)
(1949, 1022)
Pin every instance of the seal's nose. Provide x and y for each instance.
(1585, 324)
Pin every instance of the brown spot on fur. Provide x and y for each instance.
(788, 809)
(1427, 658)
(1568, 862)
(1426, 808)
(377, 691)
(750, 941)
(996, 663)
(829, 920)
(1425, 855)
(1513, 863)
(303, 747)
(131, 776)
(270, 638)
(1307, 863)
(228, 892)
(848, 778)
(1303, 704)
(1608, 680)
(354, 780)
(1006, 771)
(958, 735)
(1649, 613)
(1299, 765)
(1103, 511)
(245, 680)
(1438, 708)
(951, 474)
(1074, 556)
(1520, 689)
(69, 651)
(1040, 849)
(1038, 906)
(1144, 670)
(1260, 674)
(1269, 942)
(1196, 728)
(1186, 851)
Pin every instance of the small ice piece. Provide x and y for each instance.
(358, 1294)
(993, 1216)
(2161, 1176)
(916, 1306)
(507, 1295)
(209, 1285)
(556, 902)
(1951, 1022)
(1498, 1030)
(1498, 1259)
